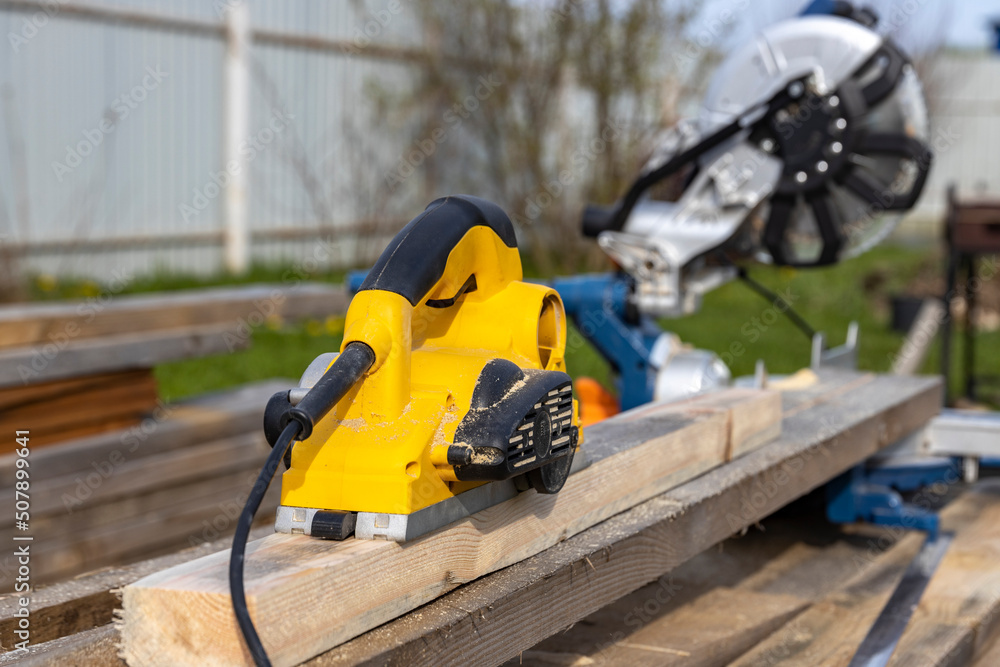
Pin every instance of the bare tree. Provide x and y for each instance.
(543, 107)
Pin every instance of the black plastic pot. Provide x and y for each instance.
(904, 312)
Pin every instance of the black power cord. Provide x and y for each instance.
(774, 297)
(346, 371)
(236, 560)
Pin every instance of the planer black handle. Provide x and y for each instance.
(415, 260)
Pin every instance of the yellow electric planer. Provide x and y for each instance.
(449, 394)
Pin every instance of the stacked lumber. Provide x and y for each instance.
(176, 479)
(635, 457)
(117, 475)
(825, 430)
(802, 592)
(72, 369)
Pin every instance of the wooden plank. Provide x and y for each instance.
(751, 423)
(719, 604)
(75, 405)
(141, 537)
(102, 425)
(139, 527)
(221, 489)
(88, 602)
(699, 635)
(11, 398)
(24, 365)
(90, 648)
(954, 621)
(58, 419)
(959, 613)
(483, 622)
(830, 631)
(990, 657)
(65, 409)
(72, 493)
(97, 501)
(170, 428)
(919, 338)
(41, 323)
(633, 459)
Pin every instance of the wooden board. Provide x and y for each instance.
(14, 397)
(749, 423)
(26, 365)
(138, 527)
(72, 494)
(634, 457)
(91, 648)
(41, 323)
(959, 613)
(88, 602)
(771, 562)
(177, 478)
(831, 630)
(117, 399)
(170, 428)
(955, 620)
(483, 622)
(717, 606)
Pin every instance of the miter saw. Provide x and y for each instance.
(810, 143)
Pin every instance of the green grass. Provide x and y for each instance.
(742, 326)
(44, 287)
(734, 322)
(285, 353)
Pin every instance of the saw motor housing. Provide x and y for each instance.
(468, 385)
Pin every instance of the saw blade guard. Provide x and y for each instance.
(853, 145)
(811, 144)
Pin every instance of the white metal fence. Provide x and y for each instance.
(191, 135)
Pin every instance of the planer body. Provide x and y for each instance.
(467, 403)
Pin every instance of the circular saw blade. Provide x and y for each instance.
(853, 144)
